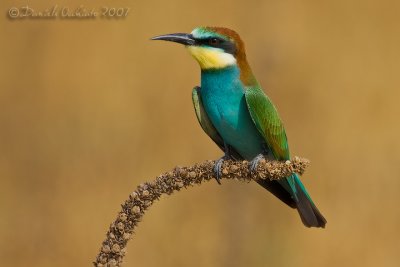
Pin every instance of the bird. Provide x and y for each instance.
(238, 116)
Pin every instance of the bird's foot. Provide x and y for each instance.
(255, 162)
(218, 167)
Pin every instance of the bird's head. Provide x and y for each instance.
(213, 48)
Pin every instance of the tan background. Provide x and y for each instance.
(89, 109)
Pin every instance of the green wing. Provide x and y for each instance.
(267, 121)
(203, 119)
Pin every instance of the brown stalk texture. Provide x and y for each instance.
(113, 248)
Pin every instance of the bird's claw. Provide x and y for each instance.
(218, 168)
(254, 163)
(218, 163)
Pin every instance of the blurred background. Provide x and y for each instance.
(90, 108)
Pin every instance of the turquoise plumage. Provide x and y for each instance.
(238, 116)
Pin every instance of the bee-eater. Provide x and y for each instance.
(238, 116)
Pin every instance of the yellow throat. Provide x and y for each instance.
(211, 58)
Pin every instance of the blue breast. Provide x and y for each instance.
(223, 98)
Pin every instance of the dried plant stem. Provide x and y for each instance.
(113, 248)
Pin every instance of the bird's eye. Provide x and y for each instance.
(214, 41)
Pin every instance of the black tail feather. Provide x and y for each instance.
(277, 190)
(309, 214)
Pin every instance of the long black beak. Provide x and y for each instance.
(181, 38)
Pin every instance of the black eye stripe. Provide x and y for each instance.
(226, 45)
(214, 41)
(210, 41)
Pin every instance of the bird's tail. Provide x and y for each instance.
(309, 214)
